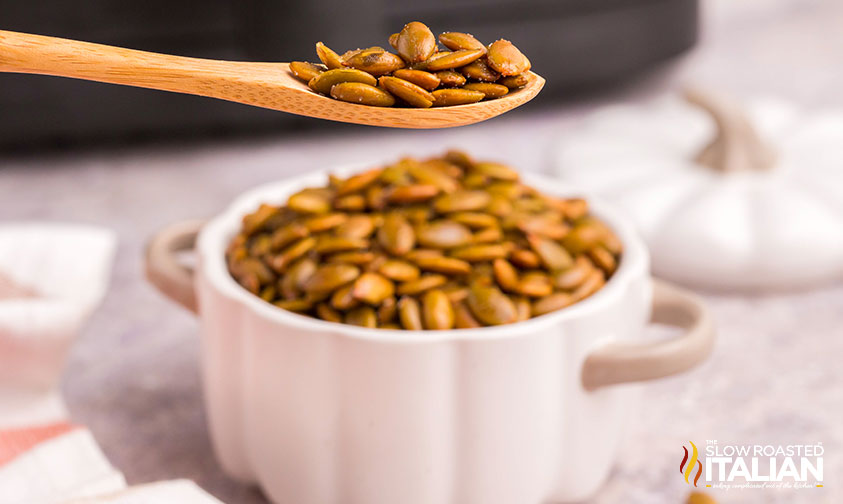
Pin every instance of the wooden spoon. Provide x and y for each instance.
(268, 85)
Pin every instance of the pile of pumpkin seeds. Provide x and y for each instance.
(421, 74)
(440, 243)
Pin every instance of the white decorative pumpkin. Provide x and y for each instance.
(721, 206)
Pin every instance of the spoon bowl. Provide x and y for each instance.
(266, 85)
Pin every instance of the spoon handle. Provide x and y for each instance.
(36, 54)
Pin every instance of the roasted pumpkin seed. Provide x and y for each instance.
(451, 60)
(514, 81)
(450, 97)
(443, 234)
(480, 70)
(450, 78)
(396, 235)
(329, 277)
(463, 243)
(328, 57)
(506, 59)
(399, 271)
(491, 306)
(415, 42)
(324, 82)
(305, 71)
(412, 94)
(487, 88)
(457, 40)
(437, 312)
(409, 313)
(364, 94)
(363, 316)
(375, 61)
(426, 80)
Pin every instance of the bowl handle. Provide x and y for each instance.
(631, 362)
(163, 269)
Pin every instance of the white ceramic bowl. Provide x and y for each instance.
(324, 413)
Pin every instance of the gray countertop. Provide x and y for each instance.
(775, 375)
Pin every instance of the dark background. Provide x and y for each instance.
(580, 46)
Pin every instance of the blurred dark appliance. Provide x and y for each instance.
(578, 45)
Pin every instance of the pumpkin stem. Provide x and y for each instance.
(736, 146)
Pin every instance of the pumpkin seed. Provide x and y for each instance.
(535, 284)
(603, 259)
(525, 258)
(481, 253)
(553, 255)
(328, 57)
(327, 278)
(357, 183)
(364, 94)
(425, 80)
(294, 305)
(451, 60)
(427, 174)
(421, 284)
(396, 235)
(551, 302)
(324, 82)
(491, 306)
(375, 61)
(305, 71)
(437, 312)
(415, 42)
(480, 70)
(487, 88)
(293, 281)
(450, 78)
(325, 222)
(343, 299)
(356, 226)
(449, 97)
(570, 278)
(413, 193)
(523, 308)
(443, 234)
(514, 81)
(474, 220)
(442, 264)
(350, 203)
(463, 319)
(506, 59)
(359, 258)
(412, 94)
(283, 260)
(372, 288)
(457, 40)
(506, 275)
(496, 171)
(462, 201)
(363, 316)
(399, 271)
(309, 202)
(331, 244)
(325, 312)
(409, 313)
(387, 312)
(592, 283)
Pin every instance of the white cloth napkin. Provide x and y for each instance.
(52, 278)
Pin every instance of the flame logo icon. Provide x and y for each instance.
(687, 466)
